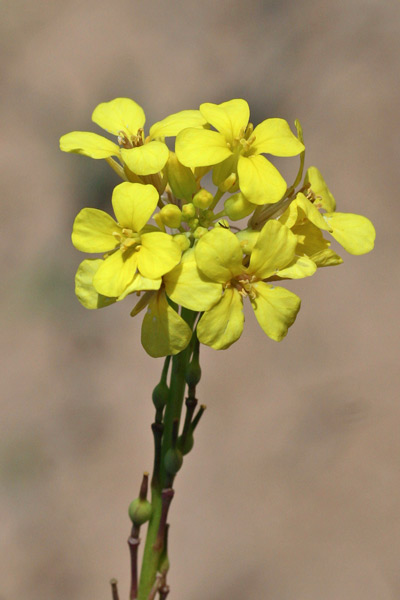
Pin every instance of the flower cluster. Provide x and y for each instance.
(174, 247)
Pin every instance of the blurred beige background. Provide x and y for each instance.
(293, 489)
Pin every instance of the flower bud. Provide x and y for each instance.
(171, 215)
(237, 207)
(188, 211)
(173, 461)
(160, 395)
(140, 511)
(180, 178)
(183, 241)
(203, 199)
(199, 232)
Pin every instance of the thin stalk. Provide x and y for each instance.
(152, 553)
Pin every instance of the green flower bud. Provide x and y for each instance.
(140, 511)
(188, 211)
(203, 199)
(237, 207)
(160, 395)
(173, 461)
(171, 215)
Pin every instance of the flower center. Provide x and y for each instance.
(243, 283)
(131, 142)
(127, 239)
(243, 142)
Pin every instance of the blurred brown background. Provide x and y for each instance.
(293, 490)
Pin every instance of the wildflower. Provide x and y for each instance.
(164, 331)
(131, 247)
(354, 232)
(236, 147)
(219, 257)
(125, 119)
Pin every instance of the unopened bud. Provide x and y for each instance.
(199, 232)
(203, 199)
(171, 215)
(237, 207)
(183, 241)
(188, 211)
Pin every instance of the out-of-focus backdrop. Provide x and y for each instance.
(293, 489)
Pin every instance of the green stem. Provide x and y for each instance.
(152, 554)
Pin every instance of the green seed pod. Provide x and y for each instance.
(193, 373)
(140, 511)
(160, 395)
(173, 461)
(203, 199)
(186, 447)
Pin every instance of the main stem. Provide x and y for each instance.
(160, 480)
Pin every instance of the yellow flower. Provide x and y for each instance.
(131, 246)
(125, 119)
(354, 232)
(219, 256)
(163, 329)
(237, 148)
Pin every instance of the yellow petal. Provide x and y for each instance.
(142, 303)
(222, 325)
(120, 114)
(312, 213)
(354, 232)
(319, 187)
(274, 250)
(229, 118)
(133, 204)
(247, 238)
(301, 266)
(116, 273)
(173, 124)
(84, 289)
(219, 255)
(275, 309)
(147, 159)
(259, 180)
(93, 231)
(326, 258)
(88, 144)
(139, 284)
(187, 286)
(274, 136)
(158, 254)
(164, 332)
(201, 147)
